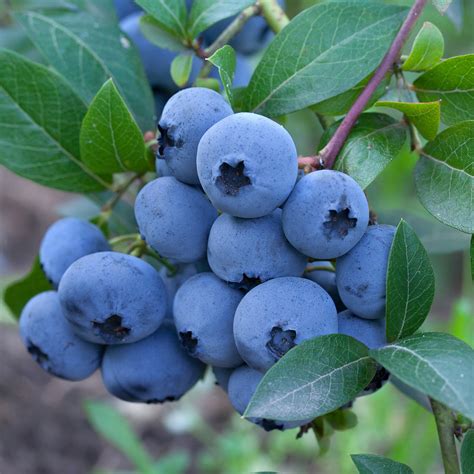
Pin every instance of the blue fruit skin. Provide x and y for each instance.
(279, 314)
(51, 341)
(222, 376)
(243, 249)
(186, 117)
(125, 8)
(247, 165)
(243, 383)
(326, 214)
(66, 241)
(370, 332)
(174, 219)
(153, 370)
(162, 168)
(361, 274)
(113, 298)
(412, 393)
(326, 279)
(203, 310)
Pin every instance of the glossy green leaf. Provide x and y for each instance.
(436, 364)
(225, 60)
(39, 127)
(410, 284)
(312, 379)
(18, 293)
(427, 49)
(111, 141)
(467, 453)
(375, 464)
(452, 82)
(154, 32)
(372, 144)
(205, 13)
(444, 177)
(115, 428)
(87, 52)
(322, 52)
(442, 5)
(208, 83)
(425, 116)
(181, 69)
(170, 14)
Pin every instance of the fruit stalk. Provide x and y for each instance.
(445, 425)
(274, 14)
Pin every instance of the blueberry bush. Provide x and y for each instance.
(216, 243)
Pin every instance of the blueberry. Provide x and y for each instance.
(186, 117)
(66, 241)
(247, 165)
(174, 219)
(279, 314)
(325, 276)
(203, 310)
(153, 370)
(250, 251)
(413, 393)
(51, 341)
(243, 383)
(222, 376)
(361, 274)
(112, 298)
(124, 8)
(162, 168)
(370, 332)
(326, 214)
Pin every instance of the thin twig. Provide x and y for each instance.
(119, 192)
(274, 14)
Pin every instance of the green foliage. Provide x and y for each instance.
(225, 60)
(410, 284)
(425, 116)
(472, 257)
(374, 464)
(427, 50)
(444, 177)
(181, 69)
(111, 141)
(154, 32)
(452, 82)
(372, 144)
(436, 364)
(442, 5)
(314, 378)
(467, 453)
(324, 51)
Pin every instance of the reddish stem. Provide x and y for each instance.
(329, 153)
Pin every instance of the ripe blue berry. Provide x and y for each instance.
(326, 214)
(66, 241)
(279, 314)
(174, 219)
(112, 298)
(203, 310)
(361, 274)
(222, 376)
(370, 332)
(250, 251)
(123, 8)
(186, 117)
(247, 165)
(325, 276)
(51, 341)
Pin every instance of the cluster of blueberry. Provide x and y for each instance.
(286, 260)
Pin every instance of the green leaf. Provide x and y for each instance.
(154, 32)
(111, 141)
(427, 49)
(39, 129)
(436, 364)
(312, 379)
(115, 428)
(170, 14)
(452, 82)
(425, 116)
(442, 5)
(322, 52)
(225, 60)
(205, 13)
(410, 284)
(342, 103)
(372, 144)
(181, 69)
(20, 292)
(467, 453)
(208, 83)
(375, 464)
(472, 257)
(87, 52)
(444, 177)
